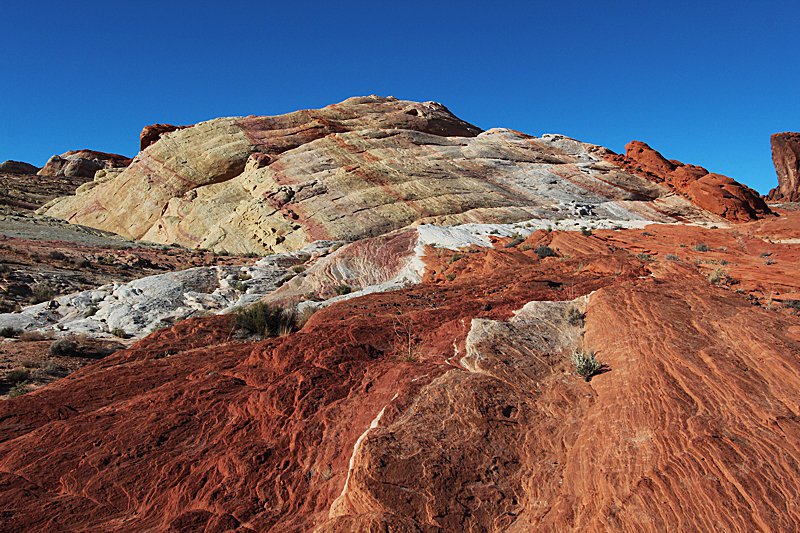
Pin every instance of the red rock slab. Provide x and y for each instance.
(785, 151)
(718, 194)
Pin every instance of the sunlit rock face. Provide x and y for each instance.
(786, 158)
(352, 170)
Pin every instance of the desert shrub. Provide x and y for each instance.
(574, 316)
(701, 247)
(243, 276)
(119, 332)
(28, 363)
(515, 240)
(265, 319)
(240, 286)
(90, 311)
(42, 293)
(672, 257)
(456, 257)
(717, 275)
(544, 251)
(18, 389)
(30, 336)
(8, 332)
(20, 374)
(525, 247)
(451, 276)
(343, 289)
(645, 257)
(58, 256)
(298, 269)
(63, 348)
(586, 365)
(586, 232)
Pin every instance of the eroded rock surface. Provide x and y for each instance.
(153, 132)
(715, 193)
(352, 170)
(82, 163)
(450, 405)
(17, 167)
(786, 158)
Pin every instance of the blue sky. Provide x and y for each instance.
(702, 82)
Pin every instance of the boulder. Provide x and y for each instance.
(82, 163)
(153, 132)
(17, 167)
(715, 193)
(786, 158)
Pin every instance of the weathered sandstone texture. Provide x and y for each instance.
(356, 169)
(786, 158)
(82, 163)
(153, 132)
(17, 167)
(447, 406)
(715, 193)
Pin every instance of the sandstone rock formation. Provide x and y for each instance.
(17, 167)
(153, 132)
(352, 170)
(786, 158)
(718, 194)
(82, 163)
(447, 406)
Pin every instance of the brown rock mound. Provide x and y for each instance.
(82, 163)
(152, 133)
(17, 167)
(716, 193)
(786, 158)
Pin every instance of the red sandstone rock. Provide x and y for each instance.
(82, 163)
(437, 409)
(786, 158)
(718, 194)
(152, 133)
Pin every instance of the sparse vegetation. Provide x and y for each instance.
(30, 336)
(42, 293)
(456, 257)
(264, 319)
(586, 365)
(343, 289)
(574, 316)
(645, 257)
(119, 332)
(718, 275)
(701, 247)
(63, 348)
(298, 269)
(516, 239)
(90, 311)
(544, 251)
(18, 389)
(672, 257)
(451, 276)
(18, 375)
(9, 332)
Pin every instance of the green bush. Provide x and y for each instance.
(701, 247)
(515, 240)
(18, 375)
(9, 332)
(544, 251)
(119, 332)
(265, 319)
(18, 389)
(575, 317)
(42, 293)
(63, 348)
(586, 365)
(343, 289)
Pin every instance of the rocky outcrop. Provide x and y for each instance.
(786, 158)
(82, 163)
(353, 170)
(718, 194)
(150, 134)
(17, 167)
(448, 406)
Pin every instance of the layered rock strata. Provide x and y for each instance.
(715, 193)
(82, 163)
(356, 169)
(786, 158)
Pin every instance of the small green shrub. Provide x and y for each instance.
(701, 247)
(544, 251)
(64, 348)
(42, 293)
(298, 269)
(119, 332)
(18, 375)
(672, 257)
(516, 239)
(586, 365)
(265, 319)
(343, 289)
(18, 389)
(58, 256)
(90, 311)
(240, 286)
(718, 275)
(645, 257)
(586, 232)
(9, 332)
(456, 257)
(451, 276)
(574, 316)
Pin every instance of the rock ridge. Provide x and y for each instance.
(786, 158)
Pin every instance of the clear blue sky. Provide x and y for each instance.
(702, 82)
